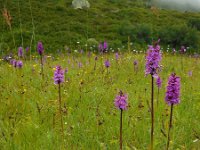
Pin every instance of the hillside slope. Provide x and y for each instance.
(57, 24)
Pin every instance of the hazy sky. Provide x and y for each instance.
(193, 2)
(180, 4)
(182, 0)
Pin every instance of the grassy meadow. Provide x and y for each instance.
(30, 114)
(29, 117)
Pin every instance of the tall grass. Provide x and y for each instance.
(91, 122)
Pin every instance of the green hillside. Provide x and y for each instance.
(57, 24)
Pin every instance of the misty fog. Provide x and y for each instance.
(183, 5)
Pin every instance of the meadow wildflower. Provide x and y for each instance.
(27, 49)
(121, 101)
(135, 63)
(107, 63)
(100, 47)
(173, 90)
(58, 79)
(20, 52)
(190, 73)
(19, 64)
(80, 65)
(172, 98)
(117, 56)
(159, 82)
(103, 47)
(182, 49)
(153, 59)
(40, 48)
(13, 62)
(58, 75)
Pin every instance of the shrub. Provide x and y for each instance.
(178, 35)
(194, 23)
(143, 33)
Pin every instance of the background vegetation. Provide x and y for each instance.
(57, 24)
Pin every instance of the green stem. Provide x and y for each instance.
(121, 129)
(41, 62)
(170, 126)
(60, 109)
(152, 112)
